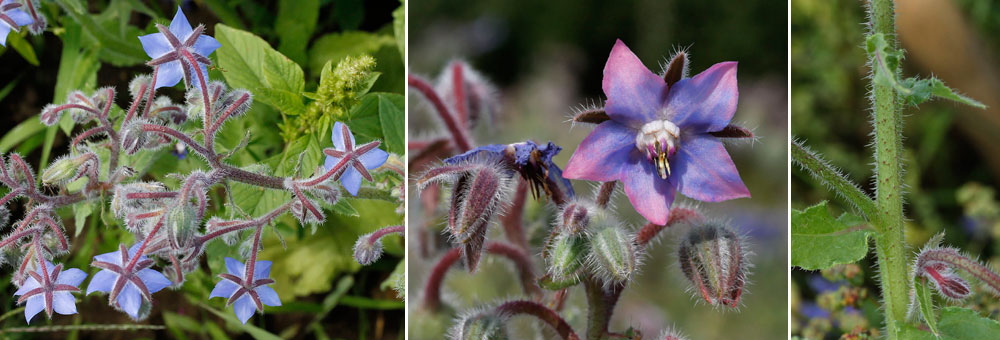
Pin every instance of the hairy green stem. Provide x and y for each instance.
(834, 179)
(890, 243)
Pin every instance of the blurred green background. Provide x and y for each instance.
(325, 293)
(547, 57)
(951, 155)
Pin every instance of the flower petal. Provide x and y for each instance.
(114, 257)
(72, 277)
(28, 285)
(374, 158)
(705, 103)
(21, 18)
(649, 194)
(34, 305)
(129, 300)
(351, 180)
(261, 270)
(223, 289)
(180, 26)
(244, 308)
(602, 153)
(206, 45)
(635, 94)
(330, 162)
(155, 44)
(268, 296)
(235, 267)
(4, 31)
(154, 280)
(338, 136)
(702, 170)
(63, 303)
(103, 281)
(169, 74)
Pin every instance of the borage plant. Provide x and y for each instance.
(907, 280)
(174, 225)
(656, 134)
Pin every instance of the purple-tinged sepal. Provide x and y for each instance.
(714, 260)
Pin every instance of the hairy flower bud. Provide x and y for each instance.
(575, 217)
(939, 265)
(65, 169)
(612, 255)
(480, 325)
(566, 256)
(133, 137)
(307, 212)
(367, 252)
(328, 193)
(181, 225)
(713, 259)
(137, 197)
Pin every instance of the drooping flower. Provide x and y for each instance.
(531, 160)
(177, 50)
(50, 288)
(246, 293)
(343, 144)
(11, 18)
(658, 139)
(127, 279)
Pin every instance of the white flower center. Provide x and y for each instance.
(658, 139)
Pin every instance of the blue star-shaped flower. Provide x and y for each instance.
(177, 50)
(531, 160)
(11, 18)
(50, 288)
(363, 158)
(246, 294)
(127, 282)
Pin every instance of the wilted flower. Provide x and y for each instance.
(247, 293)
(178, 49)
(658, 137)
(127, 279)
(11, 18)
(357, 167)
(531, 160)
(50, 288)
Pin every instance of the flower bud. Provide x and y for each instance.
(713, 259)
(328, 193)
(567, 256)
(575, 218)
(65, 169)
(612, 255)
(51, 114)
(367, 252)
(480, 326)
(122, 205)
(307, 212)
(133, 137)
(181, 224)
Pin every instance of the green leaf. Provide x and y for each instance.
(80, 214)
(23, 47)
(252, 64)
(349, 13)
(819, 241)
(337, 46)
(396, 280)
(390, 112)
(926, 304)
(20, 133)
(230, 318)
(343, 207)
(118, 49)
(295, 24)
(965, 324)
(226, 11)
(886, 63)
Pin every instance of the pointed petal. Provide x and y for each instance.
(374, 158)
(4, 31)
(154, 280)
(635, 94)
(21, 18)
(169, 74)
(103, 281)
(706, 102)
(114, 257)
(28, 285)
(223, 289)
(72, 277)
(268, 296)
(155, 44)
(34, 305)
(649, 194)
(338, 136)
(63, 303)
(702, 170)
(330, 162)
(130, 300)
(206, 45)
(180, 26)
(261, 270)
(235, 267)
(600, 156)
(244, 308)
(351, 180)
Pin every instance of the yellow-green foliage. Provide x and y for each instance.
(339, 89)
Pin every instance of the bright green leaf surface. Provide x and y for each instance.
(819, 241)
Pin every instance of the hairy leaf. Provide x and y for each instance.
(819, 241)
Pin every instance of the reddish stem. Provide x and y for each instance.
(541, 312)
(512, 221)
(378, 234)
(432, 289)
(458, 86)
(462, 139)
(677, 215)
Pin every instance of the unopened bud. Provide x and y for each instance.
(67, 168)
(713, 259)
(480, 326)
(181, 225)
(567, 256)
(612, 254)
(367, 252)
(133, 137)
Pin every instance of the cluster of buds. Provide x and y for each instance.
(589, 242)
